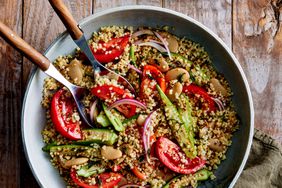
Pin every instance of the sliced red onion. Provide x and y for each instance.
(155, 45)
(151, 40)
(134, 68)
(146, 136)
(132, 185)
(154, 158)
(138, 42)
(142, 32)
(164, 43)
(92, 112)
(155, 41)
(127, 101)
(219, 104)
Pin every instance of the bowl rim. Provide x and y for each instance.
(85, 20)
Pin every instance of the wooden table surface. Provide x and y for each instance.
(251, 28)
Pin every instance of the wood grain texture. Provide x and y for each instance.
(253, 31)
(41, 24)
(257, 43)
(18, 43)
(150, 2)
(67, 18)
(100, 5)
(10, 98)
(40, 27)
(216, 15)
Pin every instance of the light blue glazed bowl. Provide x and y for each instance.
(33, 115)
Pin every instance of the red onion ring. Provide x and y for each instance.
(142, 41)
(219, 103)
(142, 32)
(92, 110)
(155, 41)
(134, 68)
(127, 101)
(138, 42)
(164, 43)
(155, 45)
(146, 135)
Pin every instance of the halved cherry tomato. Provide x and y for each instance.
(106, 180)
(194, 89)
(113, 48)
(62, 109)
(114, 41)
(146, 83)
(150, 71)
(175, 159)
(127, 110)
(139, 174)
(107, 91)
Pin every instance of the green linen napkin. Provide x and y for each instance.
(264, 165)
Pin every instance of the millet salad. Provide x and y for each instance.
(172, 131)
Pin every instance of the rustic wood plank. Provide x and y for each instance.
(100, 5)
(10, 97)
(257, 44)
(214, 14)
(150, 2)
(41, 24)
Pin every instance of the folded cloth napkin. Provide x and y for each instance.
(264, 165)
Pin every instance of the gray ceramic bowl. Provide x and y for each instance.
(33, 116)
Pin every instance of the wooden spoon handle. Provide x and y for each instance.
(67, 19)
(12, 38)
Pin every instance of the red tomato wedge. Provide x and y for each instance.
(150, 71)
(194, 89)
(62, 109)
(111, 49)
(146, 83)
(107, 180)
(108, 91)
(175, 159)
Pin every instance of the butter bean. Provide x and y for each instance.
(215, 145)
(177, 74)
(110, 153)
(75, 161)
(171, 40)
(75, 70)
(160, 63)
(172, 43)
(175, 91)
(218, 87)
(141, 120)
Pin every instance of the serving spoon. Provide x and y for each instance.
(46, 66)
(78, 37)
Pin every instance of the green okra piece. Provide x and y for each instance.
(180, 131)
(116, 122)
